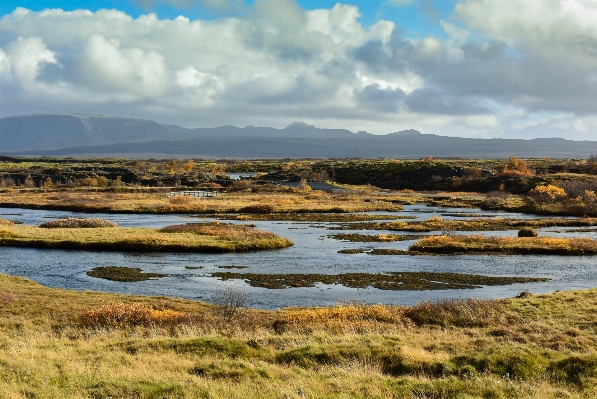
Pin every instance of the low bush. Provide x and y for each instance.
(131, 314)
(527, 232)
(78, 223)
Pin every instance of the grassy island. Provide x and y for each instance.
(477, 244)
(199, 237)
(68, 344)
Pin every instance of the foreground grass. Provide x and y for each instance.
(204, 237)
(55, 343)
(505, 245)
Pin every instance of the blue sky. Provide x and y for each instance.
(416, 19)
(474, 68)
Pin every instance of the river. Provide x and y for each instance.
(313, 252)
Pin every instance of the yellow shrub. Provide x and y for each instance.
(130, 314)
(547, 194)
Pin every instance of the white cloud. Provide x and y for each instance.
(128, 69)
(25, 58)
(457, 34)
(278, 63)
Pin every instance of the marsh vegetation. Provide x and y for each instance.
(198, 237)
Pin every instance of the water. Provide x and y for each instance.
(313, 252)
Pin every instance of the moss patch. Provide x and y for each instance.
(396, 281)
(123, 274)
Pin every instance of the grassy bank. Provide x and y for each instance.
(58, 343)
(479, 224)
(505, 245)
(204, 237)
(299, 201)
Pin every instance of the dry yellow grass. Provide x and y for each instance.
(538, 347)
(212, 237)
(230, 202)
(506, 245)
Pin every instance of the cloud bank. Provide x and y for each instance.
(525, 70)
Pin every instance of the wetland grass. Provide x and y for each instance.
(355, 237)
(484, 224)
(477, 244)
(208, 237)
(68, 344)
(257, 205)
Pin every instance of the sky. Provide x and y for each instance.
(469, 68)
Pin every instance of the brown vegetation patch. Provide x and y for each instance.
(122, 274)
(387, 281)
(78, 223)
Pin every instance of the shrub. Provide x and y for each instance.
(130, 314)
(527, 232)
(547, 194)
(228, 301)
(78, 223)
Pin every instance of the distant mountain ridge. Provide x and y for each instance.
(74, 134)
(44, 132)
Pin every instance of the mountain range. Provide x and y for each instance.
(98, 135)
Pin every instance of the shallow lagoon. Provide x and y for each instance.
(313, 252)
